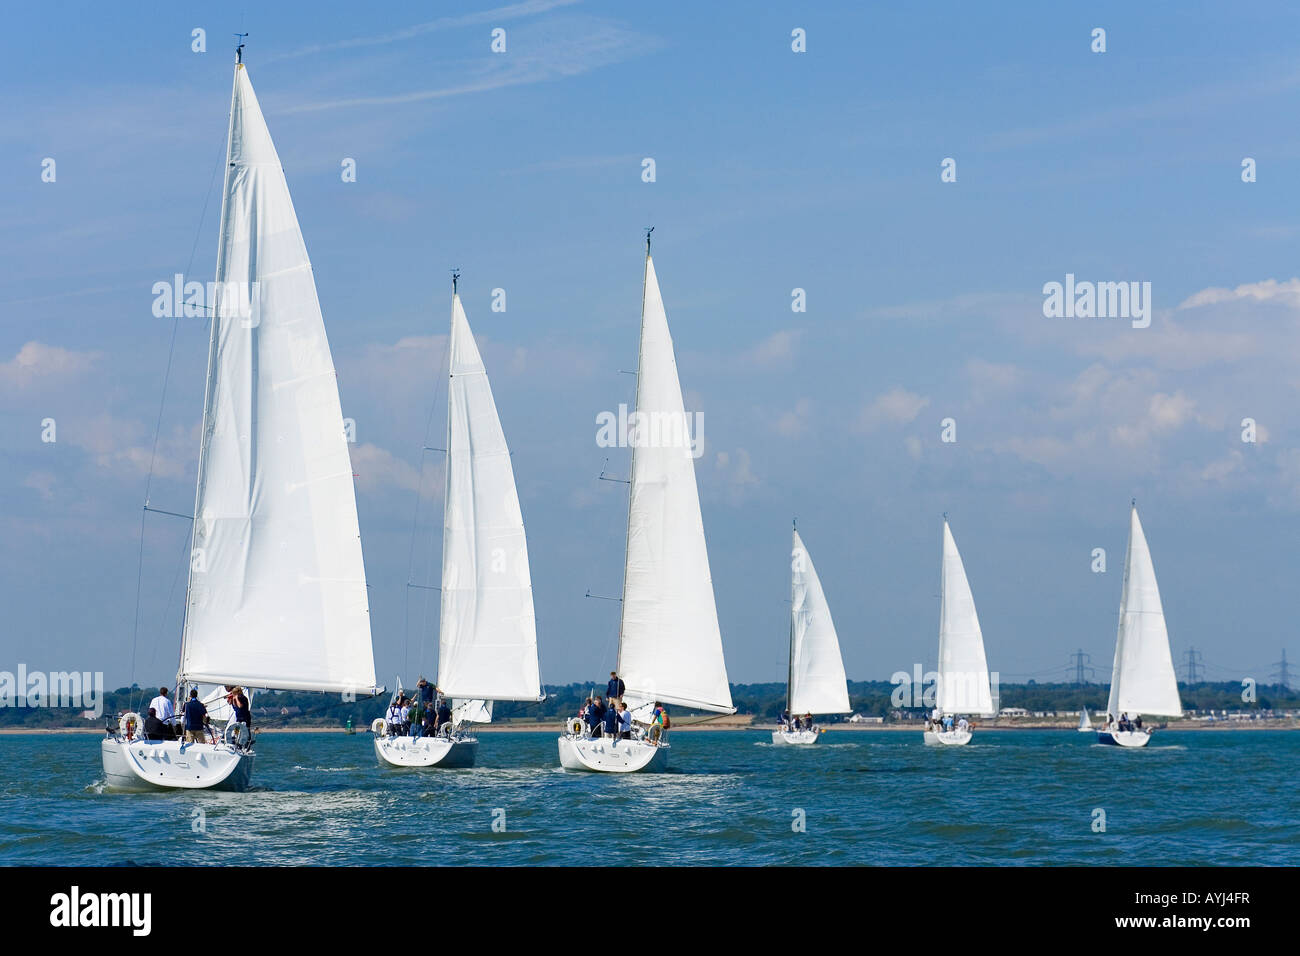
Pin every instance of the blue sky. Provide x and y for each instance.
(775, 170)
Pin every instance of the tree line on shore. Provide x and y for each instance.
(764, 701)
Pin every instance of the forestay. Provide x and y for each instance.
(277, 594)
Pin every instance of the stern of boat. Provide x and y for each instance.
(608, 755)
(457, 751)
(950, 738)
(145, 765)
(1124, 738)
(794, 738)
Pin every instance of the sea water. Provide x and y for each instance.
(1011, 797)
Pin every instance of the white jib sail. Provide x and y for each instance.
(488, 634)
(670, 647)
(277, 594)
(1142, 681)
(963, 686)
(817, 681)
(471, 712)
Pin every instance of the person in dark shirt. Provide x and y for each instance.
(611, 721)
(418, 712)
(444, 714)
(596, 716)
(195, 716)
(614, 689)
(155, 729)
(243, 713)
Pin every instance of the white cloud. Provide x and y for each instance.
(37, 361)
(992, 376)
(795, 421)
(1288, 292)
(42, 482)
(125, 447)
(496, 15)
(564, 47)
(1221, 469)
(775, 348)
(897, 406)
(737, 476)
(377, 468)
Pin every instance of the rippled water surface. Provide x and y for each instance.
(1012, 797)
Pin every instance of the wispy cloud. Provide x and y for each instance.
(571, 47)
(1195, 102)
(495, 16)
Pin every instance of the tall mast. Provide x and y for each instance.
(446, 470)
(943, 596)
(789, 677)
(640, 345)
(214, 328)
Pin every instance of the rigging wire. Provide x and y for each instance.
(415, 519)
(162, 403)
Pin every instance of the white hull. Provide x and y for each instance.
(1124, 738)
(794, 737)
(950, 738)
(144, 765)
(608, 755)
(457, 751)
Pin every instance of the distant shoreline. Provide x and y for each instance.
(732, 725)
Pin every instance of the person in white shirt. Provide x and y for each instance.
(162, 705)
(624, 721)
(963, 724)
(394, 719)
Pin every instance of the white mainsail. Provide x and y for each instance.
(963, 686)
(817, 684)
(1142, 681)
(670, 646)
(488, 634)
(277, 592)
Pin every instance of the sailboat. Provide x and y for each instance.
(963, 680)
(816, 683)
(670, 646)
(487, 647)
(1085, 722)
(276, 596)
(1142, 680)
